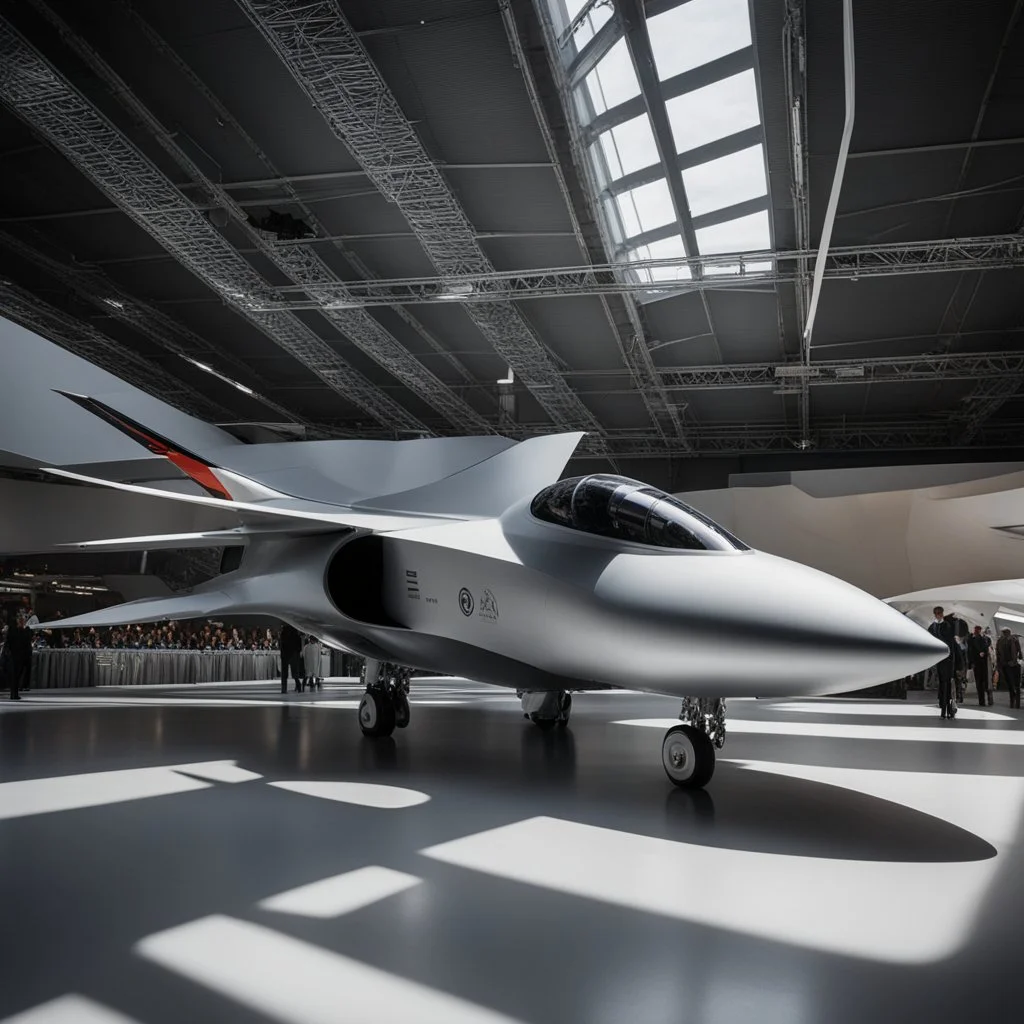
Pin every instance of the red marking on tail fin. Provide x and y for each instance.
(191, 465)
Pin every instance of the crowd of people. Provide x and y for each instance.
(300, 655)
(989, 664)
(170, 636)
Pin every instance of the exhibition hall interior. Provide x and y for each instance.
(511, 511)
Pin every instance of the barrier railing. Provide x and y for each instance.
(57, 668)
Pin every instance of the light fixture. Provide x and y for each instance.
(116, 303)
(1009, 616)
(849, 371)
(220, 376)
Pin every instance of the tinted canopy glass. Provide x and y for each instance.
(615, 506)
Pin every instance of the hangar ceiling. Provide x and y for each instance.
(392, 218)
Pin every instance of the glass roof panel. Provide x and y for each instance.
(590, 25)
(694, 33)
(646, 207)
(729, 179)
(666, 248)
(716, 110)
(613, 81)
(630, 146)
(744, 234)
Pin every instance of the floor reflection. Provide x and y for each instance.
(239, 864)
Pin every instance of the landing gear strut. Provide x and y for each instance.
(688, 750)
(385, 705)
(547, 709)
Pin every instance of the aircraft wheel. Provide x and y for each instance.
(544, 724)
(376, 714)
(402, 712)
(688, 757)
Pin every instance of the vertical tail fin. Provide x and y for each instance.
(217, 482)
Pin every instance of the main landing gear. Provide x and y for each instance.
(688, 750)
(547, 709)
(385, 705)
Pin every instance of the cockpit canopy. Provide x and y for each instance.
(615, 506)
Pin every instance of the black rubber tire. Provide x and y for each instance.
(699, 753)
(544, 724)
(402, 711)
(376, 715)
(563, 718)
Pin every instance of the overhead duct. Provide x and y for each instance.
(837, 179)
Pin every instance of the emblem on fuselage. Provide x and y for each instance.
(466, 602)
(488, 607)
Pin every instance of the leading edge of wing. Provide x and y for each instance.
(151, 609)
(247, 511)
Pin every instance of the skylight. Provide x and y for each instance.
(591, 24)
(685, 37)
(664, 249)
(729, 179)
(744, 234)
(716, 110)
(629, 147)
(613, 81)
(675, 197)
(645, 208)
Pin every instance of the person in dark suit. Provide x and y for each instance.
(19, 646)
(945, 630)
(1008, 657)
(291, 656)
(979, 654)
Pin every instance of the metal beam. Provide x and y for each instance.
(303, 266)
(590, 55)
(938, 147)
(86, 341)
(724, 146)
(42, 97)
(733, 270)
(329, 62)
(829, 435)
(894, 370)
(707, 74)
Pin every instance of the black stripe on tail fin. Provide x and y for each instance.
(194, 466)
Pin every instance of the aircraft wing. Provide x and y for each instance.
(330, 516)
(155, 609)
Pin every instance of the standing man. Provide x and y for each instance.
(291, 656)
(979, 655)
(944, 630)
(1008, 659)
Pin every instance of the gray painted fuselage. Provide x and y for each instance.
(523, 603)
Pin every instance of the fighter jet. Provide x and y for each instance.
(474, 559)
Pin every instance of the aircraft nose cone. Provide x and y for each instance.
(755, 623)
(858, 637)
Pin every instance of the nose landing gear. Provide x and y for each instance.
(688, 750)
(385, 705)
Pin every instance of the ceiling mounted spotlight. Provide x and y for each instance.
(218, 217)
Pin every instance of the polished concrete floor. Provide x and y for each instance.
(225, 854)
